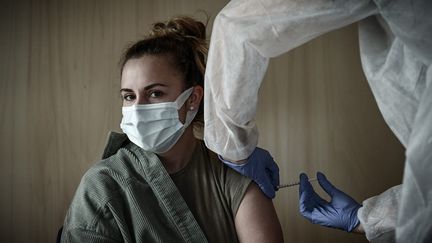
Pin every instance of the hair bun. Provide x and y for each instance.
(182, 26)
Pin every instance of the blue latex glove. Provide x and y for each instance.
(340, 212)
(261, 168)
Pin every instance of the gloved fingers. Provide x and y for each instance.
(266, 186)
(264, 160)
(326, 185)
(271, 164)
(305, 205)
(305, 186)
(308, 197)
(305, 210)
(273, 173)
(312, 206)
(311, 200)
(306, 193)
(270, 176)
(261, 153)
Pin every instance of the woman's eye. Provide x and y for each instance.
(155, 94)
(128, 97)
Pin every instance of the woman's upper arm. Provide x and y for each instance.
(256, 219)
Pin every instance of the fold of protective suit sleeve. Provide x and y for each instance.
(415, 210)
(378, 215)
(246, 33)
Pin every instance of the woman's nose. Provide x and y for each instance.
(141, 100)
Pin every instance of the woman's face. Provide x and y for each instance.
(153, 79)
(150, 79)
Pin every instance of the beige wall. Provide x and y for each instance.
(59, 98)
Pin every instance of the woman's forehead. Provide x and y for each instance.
(150, 69)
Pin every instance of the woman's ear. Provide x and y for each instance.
(195, 98)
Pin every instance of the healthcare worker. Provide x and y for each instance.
(396, 50)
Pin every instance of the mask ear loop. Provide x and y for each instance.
(183, 97)
(191, 113)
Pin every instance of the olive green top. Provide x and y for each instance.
(129, 197)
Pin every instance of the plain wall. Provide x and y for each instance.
(59, 98)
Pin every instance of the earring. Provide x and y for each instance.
(191, 108)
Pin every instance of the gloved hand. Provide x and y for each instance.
(340, 212)
(261, 168)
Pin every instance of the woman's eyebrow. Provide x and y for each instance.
(145, 88)
(154, 85)
(126, 90)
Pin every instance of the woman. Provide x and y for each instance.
(157, 182)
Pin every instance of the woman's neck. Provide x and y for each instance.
(179, 155)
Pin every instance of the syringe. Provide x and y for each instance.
(293, 184)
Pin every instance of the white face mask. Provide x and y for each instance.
(156, 127)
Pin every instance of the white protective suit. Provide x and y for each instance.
(396, 51)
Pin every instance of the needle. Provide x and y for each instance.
(294, 184)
